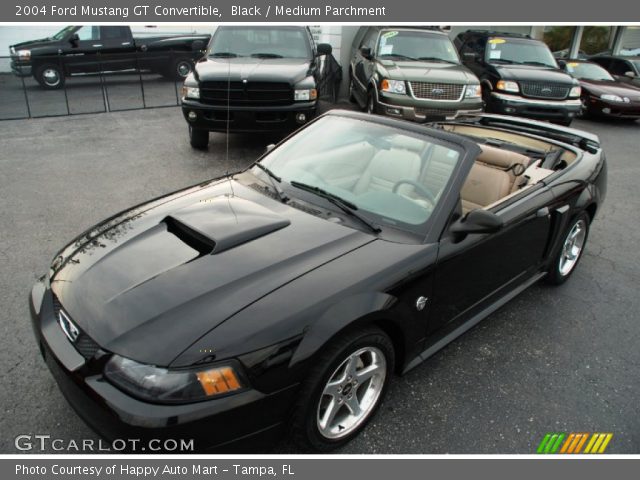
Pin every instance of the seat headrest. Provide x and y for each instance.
(408, 143)
(500, 158)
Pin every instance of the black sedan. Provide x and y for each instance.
(284, 297)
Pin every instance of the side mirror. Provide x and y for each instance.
(477, 221)
(324, 49)
(630, 74)
(562, 64)
(471, 57)
(74, 39)
(270, 147)
(366, 52)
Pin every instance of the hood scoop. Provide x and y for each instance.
(216, 224)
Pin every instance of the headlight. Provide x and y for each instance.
(508, 86)
(611, 98)
(305, 95)
(191, 92)
(393, 86)
(473, 91)
(24, 54)
(171, 386)
(575, 92)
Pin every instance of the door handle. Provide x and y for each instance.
(97, 45)
(543, 212)
(126, 43)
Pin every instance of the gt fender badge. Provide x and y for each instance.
(421, 302)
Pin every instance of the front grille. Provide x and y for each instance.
(246, 94)
(436, 112)
(553, 91)
(83, 344)
(436, 91)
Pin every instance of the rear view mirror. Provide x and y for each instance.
(324, 49)
(562, 64)
(630, 74)
(477, 221)
(365, 52)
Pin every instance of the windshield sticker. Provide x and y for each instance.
(495, 54)
(572, 64)
(386, 49)
(495, 41)
(390, 34)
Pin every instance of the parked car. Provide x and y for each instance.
(603, 95)
(624, 69)
(411, 73)
(563, 54)
(256, 78)
(90, 49)
(519, 76)
(286, 295)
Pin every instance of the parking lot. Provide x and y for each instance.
(560, 359)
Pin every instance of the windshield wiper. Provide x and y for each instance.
(502, 60)
(224, 55)
(437, 59)
(398, 55)
(533, 62)
(273, 178)
(344, 205)
(266, 55)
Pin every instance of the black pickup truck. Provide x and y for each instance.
(93, 48)
(256, 78)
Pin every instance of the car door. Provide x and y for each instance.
(118, 49)
(82, 56)
(477, 270)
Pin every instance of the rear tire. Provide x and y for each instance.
(571, 250)
(198, 138)
(50, 76)
(344, 390)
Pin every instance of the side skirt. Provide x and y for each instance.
(451, 336)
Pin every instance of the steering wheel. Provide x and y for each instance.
(421, 189)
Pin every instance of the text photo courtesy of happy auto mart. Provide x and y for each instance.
(336, 238)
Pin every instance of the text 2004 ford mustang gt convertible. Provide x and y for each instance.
(289, 293)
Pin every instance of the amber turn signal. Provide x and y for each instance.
(219, 380)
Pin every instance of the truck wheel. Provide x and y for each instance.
(198, 138)
(180, 69)
(49, 76)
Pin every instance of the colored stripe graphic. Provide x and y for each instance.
(572, 443)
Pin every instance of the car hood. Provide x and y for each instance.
(599, 87)
(289, 70)
(31, 44)
(151, 281)
(427, 71)
(533, 73)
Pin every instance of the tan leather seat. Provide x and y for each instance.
(490, 178)
(387, 167)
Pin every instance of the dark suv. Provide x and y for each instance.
(411, 73)
(519, 76)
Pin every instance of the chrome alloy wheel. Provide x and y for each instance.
(572, 247)
(183, 68)
(51, 77)
(351, 393)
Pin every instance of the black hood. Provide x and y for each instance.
(33, 44)
(157, 278)
(533, 73)
(290, 70)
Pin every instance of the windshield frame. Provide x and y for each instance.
(425, 33)
(425, 232)
(308, 45)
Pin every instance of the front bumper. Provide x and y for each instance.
(560, 110)
(21, 69)
(603, 108)
(219, 423)
(247, 119)
(419, 110)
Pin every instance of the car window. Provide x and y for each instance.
(588, 71)
(620, 67)
(357, 40)
(416, 45)
(636, 64)
(370, 38)
(602, 61)
(89, 32)
(112, 33)
(474, 45)
(395, 178)
(509, 50)
(243, 41)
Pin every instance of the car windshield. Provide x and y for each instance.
(416, 45)
(391, 176)
(516, 51)
(261, 42)
(63, 33)
(588, 71)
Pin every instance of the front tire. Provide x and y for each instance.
(344, 390)
(566, 260)
(198, 138)
(180, 69)
(372, 104)
(50, 76)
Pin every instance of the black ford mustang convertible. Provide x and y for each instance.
(285, 296)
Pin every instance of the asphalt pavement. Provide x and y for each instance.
(562, 359)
